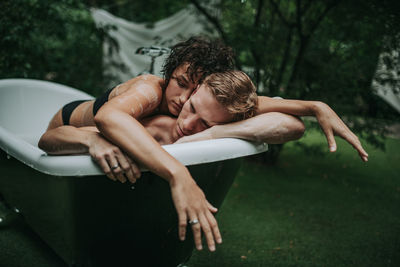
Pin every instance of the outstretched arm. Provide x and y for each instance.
(272, 128)
(329, 121)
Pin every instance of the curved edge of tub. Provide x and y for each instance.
(56, 87)
(192, 153)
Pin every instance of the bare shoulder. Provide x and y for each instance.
(138, 97)
(150, 84)
(150, 78)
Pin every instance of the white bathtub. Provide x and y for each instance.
(69, 202)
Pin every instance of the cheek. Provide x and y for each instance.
(185, 95)
(182, 115)
(173, 88)
(202, 128)
(198, 128)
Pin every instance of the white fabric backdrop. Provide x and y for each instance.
(386, 91)
(130, 36)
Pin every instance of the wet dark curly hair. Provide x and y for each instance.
(204, 56)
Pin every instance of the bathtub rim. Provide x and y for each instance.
(17, 145)
(82, 165)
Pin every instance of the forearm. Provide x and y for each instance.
(128, 134)
(272, 128)
(67, 140)
(287, 106)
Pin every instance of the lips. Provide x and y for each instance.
(177, 107)
(180, 106)
(179, 130)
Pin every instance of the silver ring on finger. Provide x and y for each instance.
(193, 222)
(114, 167)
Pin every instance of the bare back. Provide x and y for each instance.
(139, 97)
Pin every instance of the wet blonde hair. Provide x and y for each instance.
(235, 91)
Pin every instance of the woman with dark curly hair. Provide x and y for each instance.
(120, 112)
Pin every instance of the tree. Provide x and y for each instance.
(319, 50)
(306, 49)
(51, 40)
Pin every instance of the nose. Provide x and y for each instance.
(185, 96)
(189, 124)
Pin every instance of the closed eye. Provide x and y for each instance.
(182, 85)
(181, 82)
(203, 122)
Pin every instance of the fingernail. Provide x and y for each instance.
(212, 248)
(219, 240)
(182, 238)
(332, 148)
(199, 247)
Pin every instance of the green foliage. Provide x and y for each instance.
(317, 50)
(51, 40)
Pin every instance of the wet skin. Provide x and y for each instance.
(200, 112)
(178, 91)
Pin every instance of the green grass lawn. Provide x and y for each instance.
(312, 211)
(306, 211)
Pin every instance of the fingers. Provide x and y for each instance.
(182, 225)
(122, 167)
(134, 167)
(191, 204)
(211, 207)
(116, 168)
(126, 167)
(207, 232)
(331, 140)
(196, 229)
(115, 164)
(206, 223)
(214, 227)
(106, 168)
(355, 142)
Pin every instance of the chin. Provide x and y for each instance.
(173, 111)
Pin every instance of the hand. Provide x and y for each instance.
(191, 204)
(332, 125)
(114, 163)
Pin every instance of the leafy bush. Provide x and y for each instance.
(51, 40)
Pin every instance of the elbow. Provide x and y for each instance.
(108, 119)
(102, 118)
(291, 128)
(297, 128)
(45, 142)
(42, 142)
